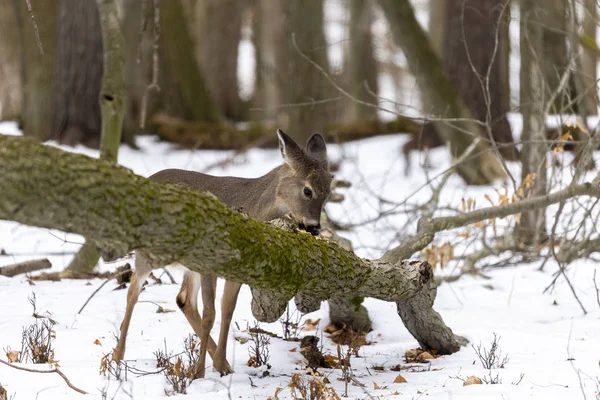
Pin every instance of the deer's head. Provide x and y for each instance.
(305, 182)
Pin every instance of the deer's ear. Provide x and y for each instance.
(316, 148)
(290, 151)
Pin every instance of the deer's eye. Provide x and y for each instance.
(307, 192)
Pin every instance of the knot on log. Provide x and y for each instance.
(425, 271)
(306, 304)
(268, 305)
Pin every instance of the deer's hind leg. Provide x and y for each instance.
(143, 268)
(228, 303)
(187, 300)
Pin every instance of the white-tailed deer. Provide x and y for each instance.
(298, 188)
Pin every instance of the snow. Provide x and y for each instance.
(546, 336)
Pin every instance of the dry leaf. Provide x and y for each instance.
(241, 339)
(310, 325)
(13, 356)
(376, 386)
(399, 379)
(472, 380)
(293, 350)
(333, 361)
(97, 342)
(426, 356)
(163, 310)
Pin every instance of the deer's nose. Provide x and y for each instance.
(313, 229)
(311, 226)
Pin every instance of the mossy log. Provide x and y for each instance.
(121, 212)
(226, 136)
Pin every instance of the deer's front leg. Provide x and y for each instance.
(142, 270)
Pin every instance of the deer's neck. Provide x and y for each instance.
(261, 196)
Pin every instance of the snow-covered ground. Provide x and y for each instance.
(546, 336)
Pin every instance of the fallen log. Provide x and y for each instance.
(227, 136)
(25, 267)
(121, 212)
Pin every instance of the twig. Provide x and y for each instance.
(100, 287)
(51, 371)
(35, 27)
(597, 290)
(154, 83)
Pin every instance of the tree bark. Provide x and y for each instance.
(25, 267)
(184, 93)
(552, 17)
(305, 27)
(76, 117)
(362, 63)
(37, 67)
(122, 212)
(504, 56)
(441, 95)
(112, 104)
(10, 79)
(475, 56)
(590, 59)
(222, 31)
(532, 226)
(437, 20)
(271, 60)
(472, 57)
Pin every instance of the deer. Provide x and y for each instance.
(297, 189)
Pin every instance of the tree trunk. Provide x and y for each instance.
(471, 55)
(440, 94)
(590, 59)
(222, 31)
(10, 79)
(37, 66)
(504, 56)
(112, 104)
(271, 60)
(437, 20)
(183, 89)
(552, 16)
(362, 64)
(158, 220)
(77, 118)
(532, 225)
(305, 20)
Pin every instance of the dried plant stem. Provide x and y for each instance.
(50, 371)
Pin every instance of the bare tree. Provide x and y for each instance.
(532, 227)
(222, 31)
(37, 40)
(111, 100)
(437, 20)
(183, 93)
(590, 58)
(269, 28)
(471, 57)
(305, 83)
(361, 62)
(441, 96)
(10, 79)
(76, 116)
